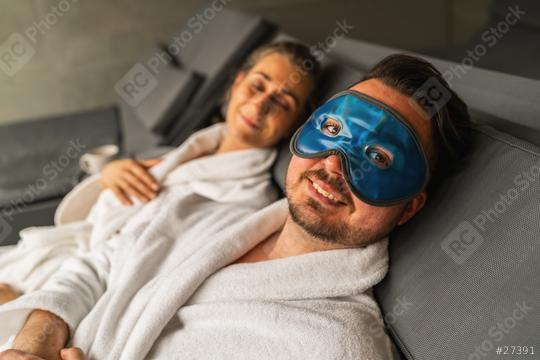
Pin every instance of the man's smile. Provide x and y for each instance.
(324, 193)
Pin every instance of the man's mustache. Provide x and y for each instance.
(337, 183)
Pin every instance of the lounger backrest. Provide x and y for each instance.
(39, 164)
(40, 157)
(152, 94)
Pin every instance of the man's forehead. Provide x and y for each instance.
(401, 103)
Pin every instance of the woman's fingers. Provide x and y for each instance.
(129, 189)
(130, 178)
(150, 162)
(119, 193)
(142, 188)
(141, 172)
(7, 293)
(72, 354)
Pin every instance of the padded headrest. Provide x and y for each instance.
(335, 78)
(168, 94)
(221, 43)
(464, 271)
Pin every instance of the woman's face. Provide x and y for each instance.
(266, 101)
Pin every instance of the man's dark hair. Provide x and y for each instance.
(451, 123)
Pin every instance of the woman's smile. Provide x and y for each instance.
(250, 122)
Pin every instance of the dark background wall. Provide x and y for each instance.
(92, 44)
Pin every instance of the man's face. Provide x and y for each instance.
(322, 202)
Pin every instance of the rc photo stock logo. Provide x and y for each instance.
(136, 85)
(430, 98)
(17, 50)
(462, 242)
(15, 53)
(141, 79)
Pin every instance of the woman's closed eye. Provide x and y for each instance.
(257, 86)
(281, 102)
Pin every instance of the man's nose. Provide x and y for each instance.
(332, 164)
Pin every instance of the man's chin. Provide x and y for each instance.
(316, 223)
(326, 227)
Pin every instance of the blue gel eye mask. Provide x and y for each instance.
(382, 158)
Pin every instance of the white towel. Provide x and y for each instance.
(170, 294)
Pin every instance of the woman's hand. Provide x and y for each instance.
(7, 293)
(130, 177)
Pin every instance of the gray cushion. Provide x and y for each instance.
(149, 110)
(174, 89)
(219, 45)
(39, 163)
(470, 261)
(40, 158)
(39, 213)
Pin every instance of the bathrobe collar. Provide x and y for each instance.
(321, 274)
(231, 177)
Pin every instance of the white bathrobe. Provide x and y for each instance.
(160, 285)
(172, 295)
(240, 177)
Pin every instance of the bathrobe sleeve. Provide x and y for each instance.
(70, 293)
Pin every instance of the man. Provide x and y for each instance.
(290, 281)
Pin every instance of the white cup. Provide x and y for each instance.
(95, 159)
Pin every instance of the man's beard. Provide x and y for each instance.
(338, 231)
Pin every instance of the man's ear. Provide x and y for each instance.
(413, 206)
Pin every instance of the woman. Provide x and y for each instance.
(258, 114)
(267, 99)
